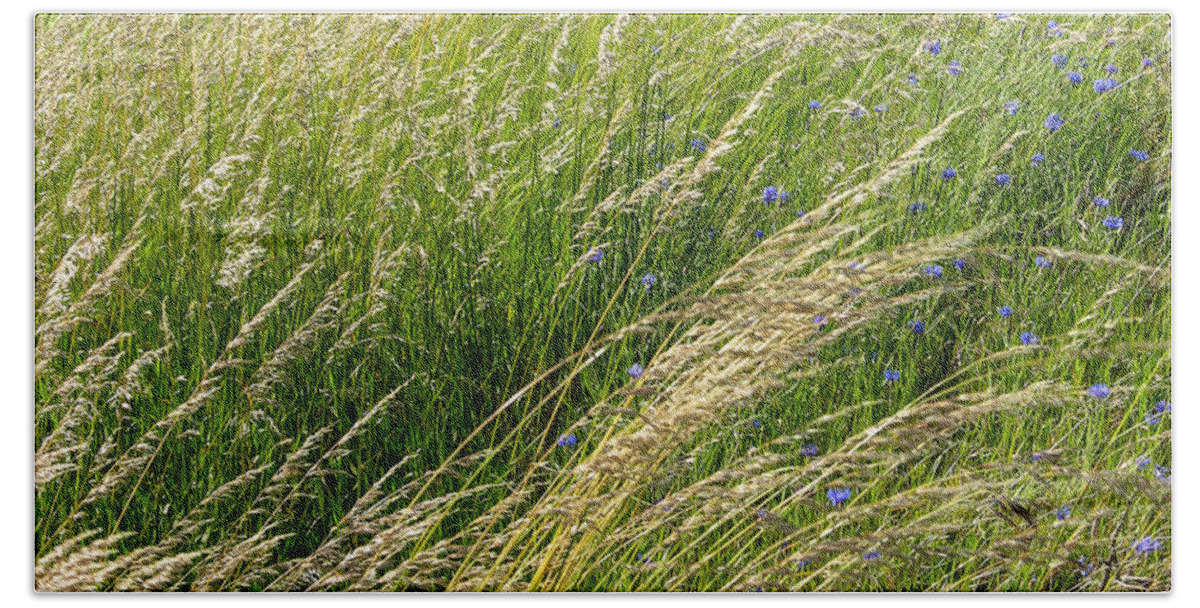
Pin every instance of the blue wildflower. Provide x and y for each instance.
(819, 320)
(770, 194)
(1052, 24)
(1147, 62)
(557, 123)
(1062, 512)
(1162, 407)
(784, 196)
(837, 495)
(814, 104)
(1162, 472)
(1075, 77)
(858, 113)
(596, 255)
(934, 271)
(934, 47)
(1042, 262)
(567, 441)
(949, 173)
(1054, 122)
(800, 213)
(1028, 338)
(758, 234)
(1003, 15)
(881, 108)
(1099, 390)
(648, 281)
(955, 68)
(1104, 85)
(1152, 419)
(712, 233)
(1113, 222)
(917, 207)
(1146, 545)
(1037, 159)
(1110, 68)
(758, 425)
(699, 145)
(1059, 61)
(1005, 311)
(1101, 201)
(959, 264)
(636, 370)
(891, 375)
(1139, 155)
(917, 327)
(1004, 179)
(1012, 107)
(1085, 569)
(870, 555)
(809, 450)
(912, 79)
(1143, 463)
(802, 564)
(667, 117)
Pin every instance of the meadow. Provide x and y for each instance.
(683, 302)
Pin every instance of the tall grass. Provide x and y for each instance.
(354, 302)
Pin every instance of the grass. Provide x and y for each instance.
(321, 298)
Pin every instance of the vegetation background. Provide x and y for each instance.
(541, 302)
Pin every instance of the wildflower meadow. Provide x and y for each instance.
(674, 302)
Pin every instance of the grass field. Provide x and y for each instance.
(656, 303)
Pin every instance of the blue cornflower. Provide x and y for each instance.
(648, 281)
(1003, 15)
(870, 555)
(1143, 463)
(784, 196)
(758, 234)
(712, 233)
(891, 375)
(917, 207)
(858, 113)
(1062, 512)
(596, 255)
(557, 123)
(1101, 201)
(1012, 107)
(934, 271)
(1147, 62)
(1146, 545)
(1162, 472)
(934, 47)
(636, 370)
(1162, 407)
(959, 264)
(800, 213)
(1075, 77)
(567, 441)
(1139, 155)
(758, 425)
(1085, 569)
(814, 104)
(1059, 61)
(802, 564)
(1004, 179)
(1037, 159)
(955, 68)
(809, 450)
(881, 108)
(1054, 122)
(1152, 419)
(949, 173)
(667, 117)
(1028, 338)
(770, 194)
(664, 182)
(699, 144)
(1099, 390)
(917, 327)
(1042, 262)
(1113, 222)
(1104, 85)
(1052, 24)
(1110, 68)
(912, 79)
(1005, 311)
(837, 495)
